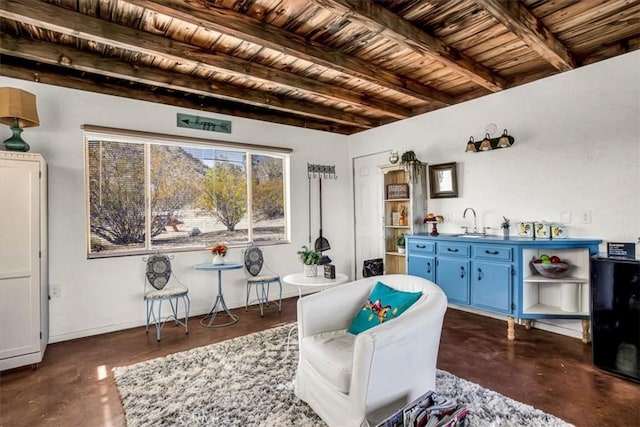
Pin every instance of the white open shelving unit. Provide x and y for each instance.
(568, 295)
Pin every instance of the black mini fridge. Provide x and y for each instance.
(615, 316)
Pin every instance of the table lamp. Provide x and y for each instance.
(17, 110)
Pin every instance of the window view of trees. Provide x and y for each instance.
(225, 194)
(148, 196)
(116, 186)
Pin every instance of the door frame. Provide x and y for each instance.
(353, 189)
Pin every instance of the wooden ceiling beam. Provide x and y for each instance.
(53, 54)
(612, 49)
(36, 72)
(383, 21)
(54, 18)
(243, 27)
(522, 23)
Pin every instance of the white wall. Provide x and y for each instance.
(102, 295)
(577, 147)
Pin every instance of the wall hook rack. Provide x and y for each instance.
(321, 171)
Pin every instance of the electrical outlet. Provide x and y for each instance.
(585, 217)
(56, 290)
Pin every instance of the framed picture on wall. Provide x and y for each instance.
(443, 180)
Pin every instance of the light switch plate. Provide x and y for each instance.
(585, 217)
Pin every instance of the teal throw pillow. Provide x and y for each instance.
(384, 303)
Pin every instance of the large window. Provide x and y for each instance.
(146, 194)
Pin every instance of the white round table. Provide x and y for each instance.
(302, 281)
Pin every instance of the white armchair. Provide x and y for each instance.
(350, 380)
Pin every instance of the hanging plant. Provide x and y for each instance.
(411, 163)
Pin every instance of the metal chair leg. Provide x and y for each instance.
(158, 324)
(187, 303)
(266, 296)
(148, 314)
(260, 297)
(280, 296)
(174, 310)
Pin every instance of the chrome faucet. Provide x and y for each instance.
(475, 218)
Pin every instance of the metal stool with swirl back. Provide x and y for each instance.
(157, 276)
(260, 277)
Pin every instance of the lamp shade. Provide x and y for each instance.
(504, 141)
(486, 143)
(18, 104)
(471, 146)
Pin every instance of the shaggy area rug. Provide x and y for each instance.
(249, 381)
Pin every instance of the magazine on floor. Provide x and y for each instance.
(428, 410)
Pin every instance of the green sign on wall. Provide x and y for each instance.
(203, 123)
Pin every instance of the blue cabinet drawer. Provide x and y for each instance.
(498, 253)
(453, 249)
(421, 246)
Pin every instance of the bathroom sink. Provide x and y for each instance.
(473, 236)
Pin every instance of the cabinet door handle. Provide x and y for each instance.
(421, 246)
(429, 267)
(461, 272)
(487, 251)
(479, 274)
(452, 249)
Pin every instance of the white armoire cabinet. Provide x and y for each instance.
(24, 305)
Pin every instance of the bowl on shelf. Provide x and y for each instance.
(551, 271)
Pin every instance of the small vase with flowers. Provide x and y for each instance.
(219, 251)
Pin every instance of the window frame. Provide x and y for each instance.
(148, 139)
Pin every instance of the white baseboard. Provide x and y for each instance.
(194, 311)
(547, 325)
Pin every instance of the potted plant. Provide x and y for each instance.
(505, 226)
(411, 163)
(400, 242)
(310, 258)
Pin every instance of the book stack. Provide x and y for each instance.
(429, 410)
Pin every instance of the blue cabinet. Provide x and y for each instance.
(491, 286)
(421, 261)
(452, 275)
(452, 270)
(492, 277)
(422, 266)
(492, 274)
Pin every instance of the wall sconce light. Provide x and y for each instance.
(504, 140)
(485, 145)
(17, 110)
(471, 145)
(488, 143)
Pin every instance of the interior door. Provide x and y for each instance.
(368, 197)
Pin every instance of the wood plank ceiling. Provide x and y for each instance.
(335, 65)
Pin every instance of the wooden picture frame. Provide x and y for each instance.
(443, 180)
(397, 191)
